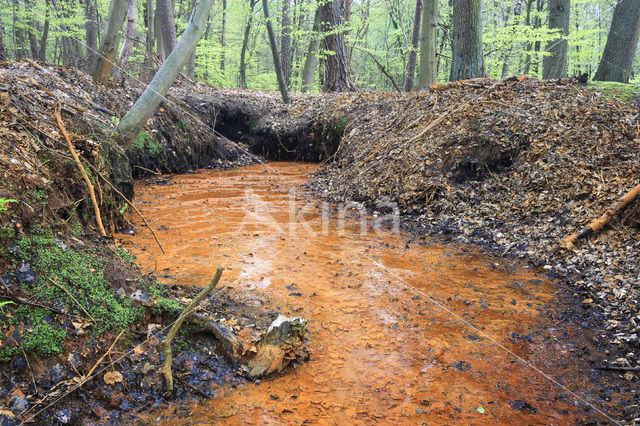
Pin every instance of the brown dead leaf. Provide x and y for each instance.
(112, 377)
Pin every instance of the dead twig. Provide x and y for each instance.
(92, 194)
(166, 368)
(616, 368)
(87, 376)
(61, 287)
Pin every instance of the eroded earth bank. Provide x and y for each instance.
(467, 313)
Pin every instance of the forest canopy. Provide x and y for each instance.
(379, 37)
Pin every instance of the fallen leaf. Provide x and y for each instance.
(112, 377)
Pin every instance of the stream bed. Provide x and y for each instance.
(401, 330)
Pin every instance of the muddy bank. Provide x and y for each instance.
(67, 294)
(400, 332)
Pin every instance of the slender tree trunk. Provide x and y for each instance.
(32, 31)
(427, 72)
(109, 46)
(157, 24)
(42, 51)
(167, 23)
(311, 61)
(555, 64)
(91, 32)
(527, 61)
(144, 107)
(415, 36)
(245, 44)
(3, 52)
(150, 37)
(620, 50)
(467, 60)
(285, 42)
(223, 35)
(337, 78)
(284, 91)
(129, 38)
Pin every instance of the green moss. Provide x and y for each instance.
(157, 292)
(183, 126)
(613, 90)
(145, 143)
(80, 272)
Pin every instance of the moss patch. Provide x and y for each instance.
(618, 91)
(145, 143)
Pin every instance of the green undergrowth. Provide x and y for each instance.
(615, 91)
(145, 143)
(97, 307)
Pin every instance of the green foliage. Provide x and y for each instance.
(613, 90)
(4, 202)
(157, 293)
(145, 143)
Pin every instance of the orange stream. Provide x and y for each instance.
(380, 349)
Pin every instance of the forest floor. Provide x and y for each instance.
(510, 166)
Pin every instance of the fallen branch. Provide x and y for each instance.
(92, 194)
(382, 69)
(168, 355)
(602, 221)
(22, 301)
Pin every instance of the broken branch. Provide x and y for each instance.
(166, 368)
(92, 193)
(602, 221)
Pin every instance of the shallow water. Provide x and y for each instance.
(400, 333)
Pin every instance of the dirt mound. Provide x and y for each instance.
(513, 165)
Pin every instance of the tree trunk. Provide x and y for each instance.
(427, 73)
(619, 52)
(245, 44)
(467, 60)
(311, 61)
(91, 32)
(167, 25)
(34, 28)
(150, 37)
(144, 107)
(223, 35)
(157, 25)
(109, 46)
(411, 61)
(555, 64)
(527, 22)
(284, 91)
(42, 53)
(3, 52)
(337, 78)
(129, 38)
(285, 42)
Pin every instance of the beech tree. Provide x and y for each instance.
(622, 42)
(285, 42)
(282, 85)
(144, 107)
(337, 78)
(415, 35)
(110, 40)
(427, 73)
(554, 65)
(467, 59)
(129, 38)
(311, 61)
(245, 44)
(167, 25)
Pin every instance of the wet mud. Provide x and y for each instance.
(399, 333)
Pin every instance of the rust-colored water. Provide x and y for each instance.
(380, 349)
